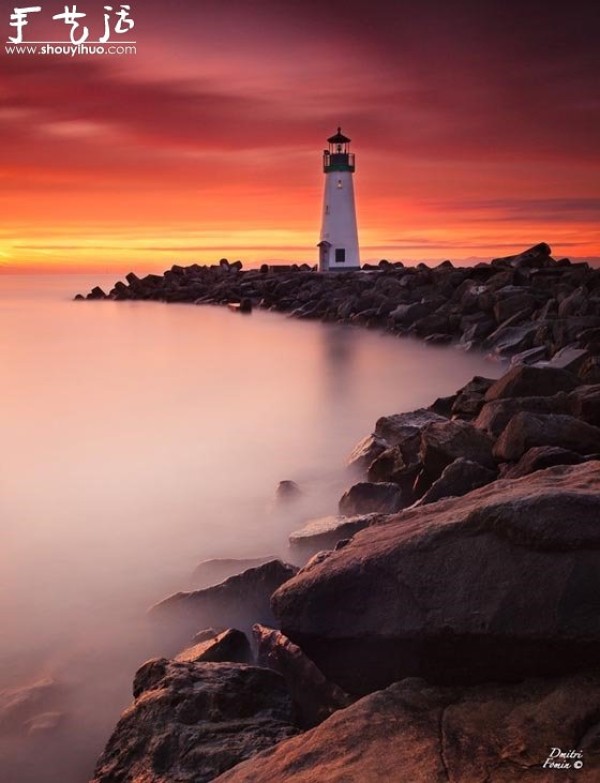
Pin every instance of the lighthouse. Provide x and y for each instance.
(338, 246)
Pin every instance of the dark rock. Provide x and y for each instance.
(520, 303)
(246, 305)
(287, 491)
(96, 293)
(458, 478)
(315, 698)
(79, 297)
(540, 458)
(442, 443)
(569, 358)
(527, 381)
(240, 601)
(388, 466)
(230, 645)
(589, 372)
(365, 452)
(536, 257)
(192, 721)
(531, 356)
(324, 533)
(470, 398)
(584, 403)
(212, 572)
(501, 583)
(404, 430)
(443, 405)
(495, 415)
(509, 339)
(526, 430)
(415, 733)
(367, 497)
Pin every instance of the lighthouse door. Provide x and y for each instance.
(324, 248)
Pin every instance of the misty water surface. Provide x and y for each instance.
(139, 439)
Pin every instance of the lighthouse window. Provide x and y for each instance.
(339, 183)
(340, 255)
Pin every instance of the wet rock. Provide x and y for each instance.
(527, 381)
(239, 602)
(526, 430)
(315, 698)
(211, 572)
(443, 442)
(540, 458)
(416, 733)
(367, 497)
(230, 645)
(501, 583)
(192, 721)
(324, 533)
(458, 478)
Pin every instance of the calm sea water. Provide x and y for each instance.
(139, 439)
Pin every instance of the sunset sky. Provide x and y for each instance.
(475, 125)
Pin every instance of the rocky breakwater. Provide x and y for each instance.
(529, 304)
(457, 638)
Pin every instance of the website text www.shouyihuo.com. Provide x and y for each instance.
(71, 50)
(90, 32)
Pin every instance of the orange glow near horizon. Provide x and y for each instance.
(207, 143)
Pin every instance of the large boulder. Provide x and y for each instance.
(192, 721)
(527, 381)
(368, 497)
(495, 415)
(239, 602)
(314, 696)
(526, 430)
(443, 442)
(415, 733)
(501, 583)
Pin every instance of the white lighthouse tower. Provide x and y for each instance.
(338, 246)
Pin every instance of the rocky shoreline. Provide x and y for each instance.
(446, 623)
